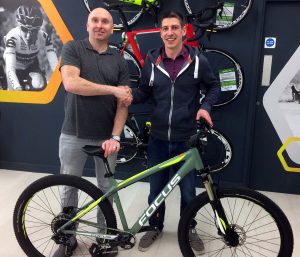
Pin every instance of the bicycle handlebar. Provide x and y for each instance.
(150, 7)
(200, 139)
(203, 19)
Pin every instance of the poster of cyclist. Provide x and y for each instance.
(30, 49)
(282, 103)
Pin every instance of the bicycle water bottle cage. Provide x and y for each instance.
(93, 150)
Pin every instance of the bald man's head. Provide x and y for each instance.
(99, 24)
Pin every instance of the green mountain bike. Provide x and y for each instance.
(230, 221)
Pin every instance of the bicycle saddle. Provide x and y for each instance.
(93, 150)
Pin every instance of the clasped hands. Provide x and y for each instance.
(124, 95)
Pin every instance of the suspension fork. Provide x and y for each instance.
(220, 216)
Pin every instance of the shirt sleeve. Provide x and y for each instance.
(50, 51)
(124, 78)
(69, 55)
(144, 90)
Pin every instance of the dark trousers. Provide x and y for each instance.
(159, 151)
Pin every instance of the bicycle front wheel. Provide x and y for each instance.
(234, 11)
(229, 73)
(50, 202)
(135, 70)
(131, 11)
(261, 226)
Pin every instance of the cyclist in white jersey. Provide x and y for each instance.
(22, 46)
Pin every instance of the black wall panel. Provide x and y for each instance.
(29, 133)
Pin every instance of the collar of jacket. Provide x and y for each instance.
(155, 58)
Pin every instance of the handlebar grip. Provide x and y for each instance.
(203, 124)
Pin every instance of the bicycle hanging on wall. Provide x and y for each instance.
(232, 13)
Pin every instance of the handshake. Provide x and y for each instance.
(124, 95)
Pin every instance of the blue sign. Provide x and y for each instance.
(270, 42)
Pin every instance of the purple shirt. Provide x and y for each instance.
(174, 66)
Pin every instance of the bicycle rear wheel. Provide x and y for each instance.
(229, 73)
(261, 226)
(217, 152)
(135, 70)
(41, 209)
(234, 11)
(132, 12)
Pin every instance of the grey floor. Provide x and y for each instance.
(134, 201)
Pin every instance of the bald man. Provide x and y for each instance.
(96, 82)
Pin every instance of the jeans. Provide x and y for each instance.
(159, 151)
(73, 159)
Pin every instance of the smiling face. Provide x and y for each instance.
(99, 25)
(171, 33)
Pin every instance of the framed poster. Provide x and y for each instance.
(32, 34)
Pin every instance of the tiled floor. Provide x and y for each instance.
(134, 200)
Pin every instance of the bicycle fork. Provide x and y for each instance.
(226, 230)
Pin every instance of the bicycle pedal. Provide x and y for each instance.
(95, 250)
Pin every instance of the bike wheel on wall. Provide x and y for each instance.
(217, 152)
(129, 144)
(234, 11)
(135, 70)
(229, 73)
(131, 11)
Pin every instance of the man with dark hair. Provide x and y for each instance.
(172, 78)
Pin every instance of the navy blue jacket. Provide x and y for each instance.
(175, 103)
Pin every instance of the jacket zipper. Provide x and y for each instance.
(171, 109)
(172, 95)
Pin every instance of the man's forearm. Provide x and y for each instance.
(80, 86)
(120, 119)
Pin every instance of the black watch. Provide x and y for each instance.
(117, 138)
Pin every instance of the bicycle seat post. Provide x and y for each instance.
(108, 172)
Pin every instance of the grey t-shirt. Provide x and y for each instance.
(92, 117)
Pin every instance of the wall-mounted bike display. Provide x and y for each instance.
(232, 12)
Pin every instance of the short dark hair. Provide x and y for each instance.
(173, 14)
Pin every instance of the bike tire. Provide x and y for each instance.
(262, 226)
(135, 69)
(128, 145)
(233, 12)
(132, 12)
(218, 151)
(229, 73)
(36, 213)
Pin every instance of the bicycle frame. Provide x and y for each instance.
(136, 2)
(131, 40)
(191, 159)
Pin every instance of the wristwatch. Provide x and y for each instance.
(117, 138)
